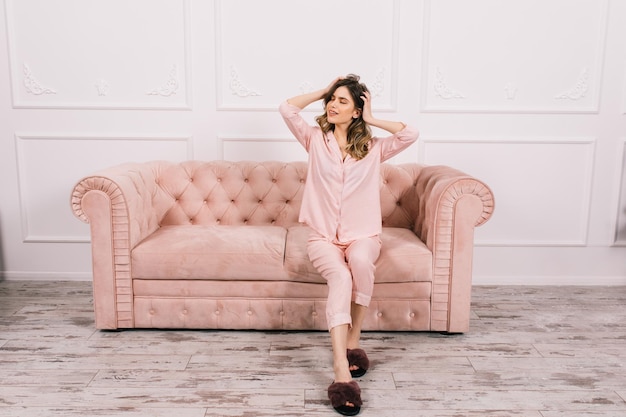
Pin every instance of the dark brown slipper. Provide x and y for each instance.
(359, 358)
(341, 393)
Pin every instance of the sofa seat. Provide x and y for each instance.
(403, 257)
(212, 252)
(264, 253)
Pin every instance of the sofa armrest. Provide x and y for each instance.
(451, 205)
(118, 205)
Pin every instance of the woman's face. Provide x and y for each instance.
(340, 109)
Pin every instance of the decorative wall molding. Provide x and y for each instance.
(579, 90)
(170, 87)
(237, 87)
(511, 91)
(102, 86)
(32, 85)
(378, 87)
(305, 87)
(443, 90)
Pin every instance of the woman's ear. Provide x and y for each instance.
(356, 114)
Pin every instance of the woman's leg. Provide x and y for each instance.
(329, 259)
(338, 338)
(354, 333)
(361, 256)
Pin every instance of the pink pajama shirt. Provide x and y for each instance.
(341, 204)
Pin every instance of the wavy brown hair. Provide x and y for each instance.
(359, 133)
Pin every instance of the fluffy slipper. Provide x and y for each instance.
(358, 357)
(341, 393)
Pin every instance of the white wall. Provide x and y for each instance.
(528, 95)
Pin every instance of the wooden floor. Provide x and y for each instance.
(531, 352)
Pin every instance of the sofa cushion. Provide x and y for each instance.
(403, 257)
(212, 252)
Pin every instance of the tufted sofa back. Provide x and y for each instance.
(259, 193)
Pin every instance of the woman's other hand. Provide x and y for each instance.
(367, 107)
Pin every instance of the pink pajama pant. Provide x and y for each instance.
(348, 268)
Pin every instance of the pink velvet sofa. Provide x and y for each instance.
(217, 245)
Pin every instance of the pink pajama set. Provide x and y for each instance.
(341, 204)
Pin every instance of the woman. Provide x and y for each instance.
(341, 204)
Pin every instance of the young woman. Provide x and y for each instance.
(341, 205)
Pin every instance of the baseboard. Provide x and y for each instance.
(45, 276)
(550, 280)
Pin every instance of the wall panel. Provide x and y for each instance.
(302, 48)
(542, 187)
(88, 54)
(513, 56)
(49, 166)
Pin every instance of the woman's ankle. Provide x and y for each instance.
(341, 369)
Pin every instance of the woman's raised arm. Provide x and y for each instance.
(304, 100)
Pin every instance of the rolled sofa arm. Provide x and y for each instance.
(451, 204)
(118, 205)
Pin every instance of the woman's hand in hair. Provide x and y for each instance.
(389, 126)
(332, 84)
(367, 107)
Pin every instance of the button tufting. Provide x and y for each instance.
(412, 315)
(249, 312)
(287, 201)
(185, 311)
(314, 314)
(151, 311)
(282, 313)
(273, 179)
(379, 314)
(217, 312)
